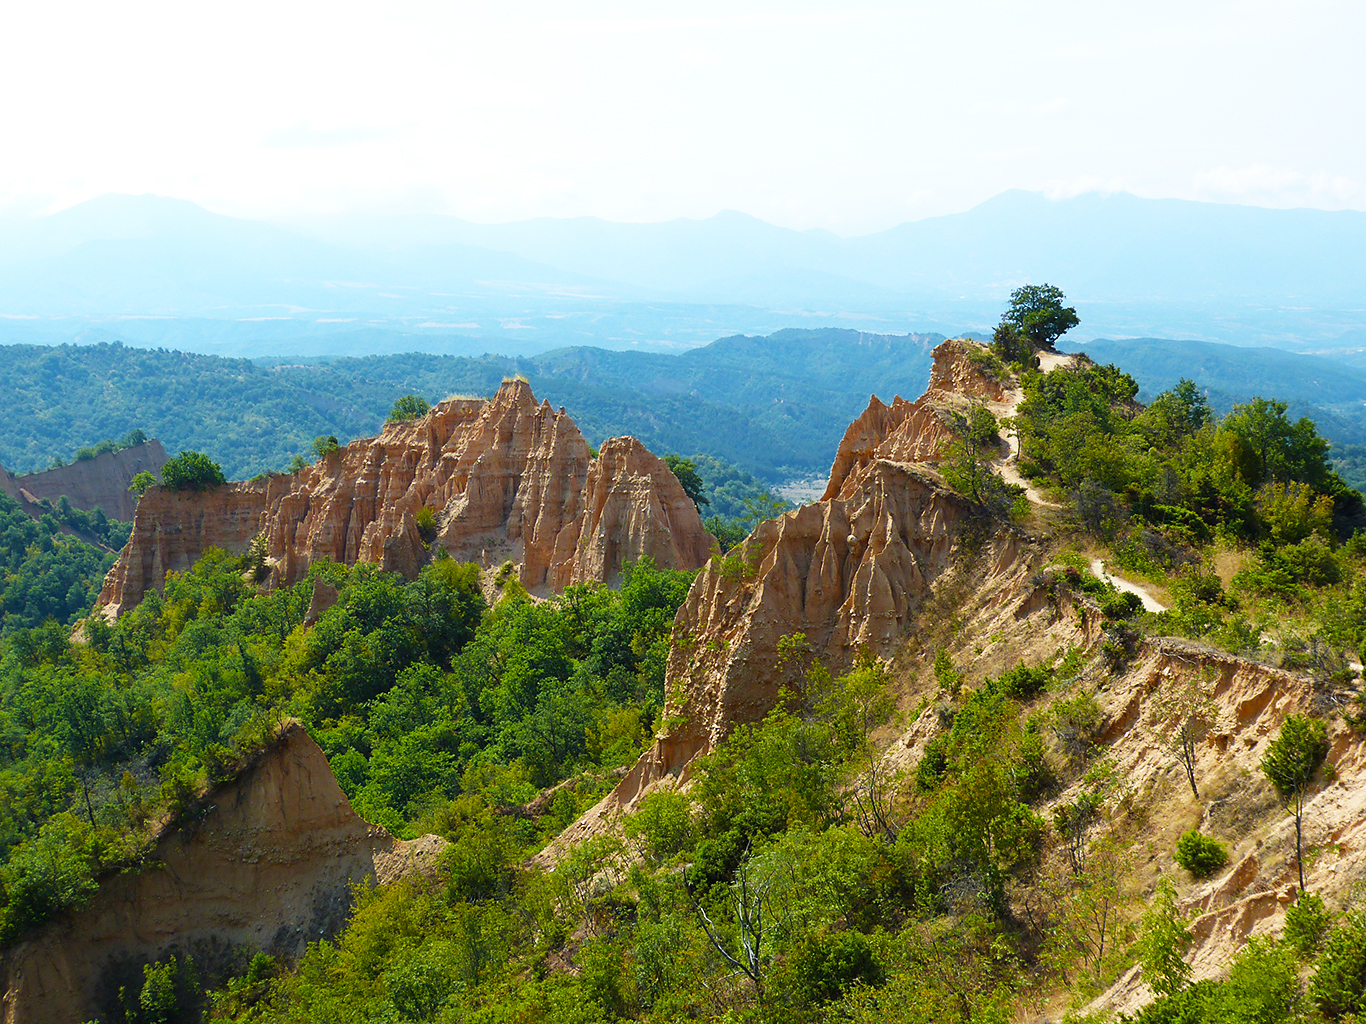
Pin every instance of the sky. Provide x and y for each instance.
(842, 116)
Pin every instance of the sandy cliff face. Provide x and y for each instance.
(267, 866)
(850, 572)
(8, 484)
(101, 482)
(918, 431)
(505, 478)
(1249, 898)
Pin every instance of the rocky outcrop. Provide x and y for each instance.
(919, 431)
(633, 506)
(850, 572)
(504, 479)
(266, 864)
(101, 482)
(9, 485)
(1250, 897)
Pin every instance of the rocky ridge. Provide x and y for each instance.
(100, 482)
(266, 862)
(851, 572)
(504, 478)
(893, 562)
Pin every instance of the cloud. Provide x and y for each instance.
(1268, 185)
(303, 137)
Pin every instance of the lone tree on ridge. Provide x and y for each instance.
(1038, 316)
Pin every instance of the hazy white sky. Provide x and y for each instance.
(838, 115)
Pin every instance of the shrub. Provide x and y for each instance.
(1339, 986)
(825, 967)
(1121, 606)
(192, 471)
(1023, 682)
(933, 765)
(947, 675)
(663, 824)
(1307, 922)
(325, 446)
(141, 482)
(409, 407)
(1076, 722)
(426, 523)
(1199, 854)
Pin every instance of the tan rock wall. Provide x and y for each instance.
(507, 479)
(101, 482)
(267, 865)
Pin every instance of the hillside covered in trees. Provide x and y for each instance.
(1008, 867)
(774, 407)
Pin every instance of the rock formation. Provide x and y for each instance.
(505, 479)
(918, 431)
(267, 865)
(101, 482)
(850, 572)
(9, 484)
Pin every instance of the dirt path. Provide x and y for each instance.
(1150, 603)
(1009, 468)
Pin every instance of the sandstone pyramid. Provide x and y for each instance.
(506, 479)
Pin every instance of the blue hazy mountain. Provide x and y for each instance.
(156, 271)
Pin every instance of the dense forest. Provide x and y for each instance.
(50, 574)
(775, 407)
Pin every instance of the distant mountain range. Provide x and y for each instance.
(163, 272)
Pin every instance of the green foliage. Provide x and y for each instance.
(825, 967)
(418, 694)
(1037, 314)
(1200, 854)
(191, 471)
(46, 574)
(409, 407)
(1262, 986)
(1338, 987)
(1164, 942)
(141, 482)
(685, 470)
(325, 446)
(426, 523)
(1296, 755)
(132, 439)
(1307, 923)
(947, 675)
(1023, 682)
(662, 824)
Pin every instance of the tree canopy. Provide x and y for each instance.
(1037, 314)
(191, 471)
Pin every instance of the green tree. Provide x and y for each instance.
(1275, 448)
(409, 407)
(141, 482)
(1164, 942)
(325, 446)
(688, 477)
(1185, 708)
(1037, 313)
(192, 471)
(1291, 763)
